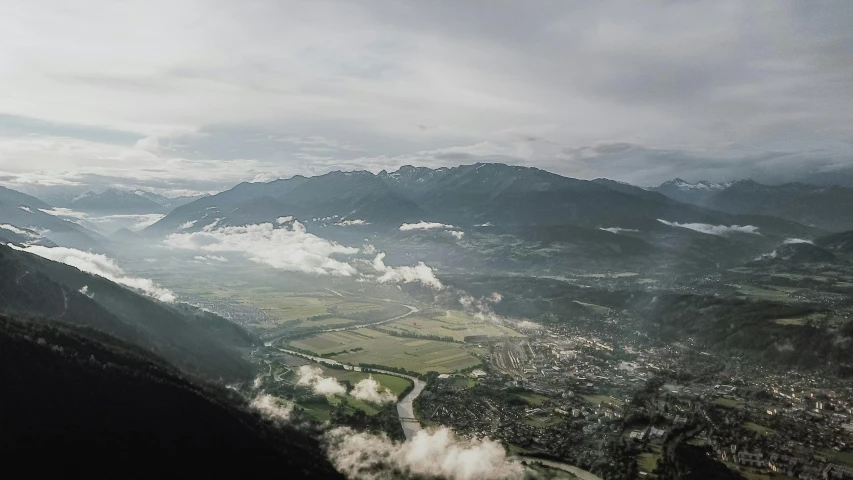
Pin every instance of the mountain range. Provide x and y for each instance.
(825, 207)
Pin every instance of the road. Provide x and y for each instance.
(582, 474)
(353, 327)
(405, 407)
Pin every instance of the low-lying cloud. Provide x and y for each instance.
(709, 229)
(102, 266)
(289, 247)
(272, 407)
(313, 378)
(788, 241)
(429, 454)
(369, 390)
(424, 226)
(349, 223)
(618, 230)
(420, 273)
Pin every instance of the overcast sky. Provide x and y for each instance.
(194, 96)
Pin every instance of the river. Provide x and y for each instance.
(405, 407)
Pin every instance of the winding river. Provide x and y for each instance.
(405, 407)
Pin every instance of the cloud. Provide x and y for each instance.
(289, 248)
(528, 325)
(420, 273)
(18, 231)
(714, 229)
(496, 297)
(187, 224)
(789, 241)
(313, 377)
(102, 266)
(424, 226)
(368, 249)
(430, 453)
(283, 220)
(457, 234)
(368, 390)
(210, 259)
(618, 230)
(272, 407)
(348, 223)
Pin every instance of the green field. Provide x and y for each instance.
(533, 398)
(374, 347)
(760, 429)
(648, 461)
(596, 399)
(449, 323)
(728, 402)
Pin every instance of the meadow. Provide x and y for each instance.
(447, 323)
(369, 346)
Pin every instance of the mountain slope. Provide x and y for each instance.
(828, 208)
(90, 399)
(25, 212)
(114, 201)
(200, 343)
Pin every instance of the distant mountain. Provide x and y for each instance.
(695, 193)
(828, 208)
(24, 213)
(794, 253)
(468, 195)
(168, 202)
(838, 242)
(116, 202)
(96, 401)
(200, 343)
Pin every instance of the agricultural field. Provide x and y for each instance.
(365, 345)
(447, 323)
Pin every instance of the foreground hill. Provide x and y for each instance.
(829, 208)
(82, 397)
(200, 343)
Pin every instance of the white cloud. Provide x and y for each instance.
(210, 226)
(16, 230)
(421, 273)
(187, 224)
(313, 377)
(272, 407)
(618, 230)
(100, 265)
(348, 223)
(496, 297)
(288, 248)
(368, 249)
(368, 390)
(26, 209)
(528, 325)
(424, 226)
(283, 220)
(430, 453)
(714, 229)
(210, 258)
(457, 234)
(789, 241)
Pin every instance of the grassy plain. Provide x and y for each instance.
(448, 323)
(365, 345)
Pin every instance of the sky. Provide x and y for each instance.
(191, 96)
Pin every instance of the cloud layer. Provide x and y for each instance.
(289, 247)
(100, 265)
(709, 229)
(364, 456)
(369, 390)
(420, 273)
(313, 378)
